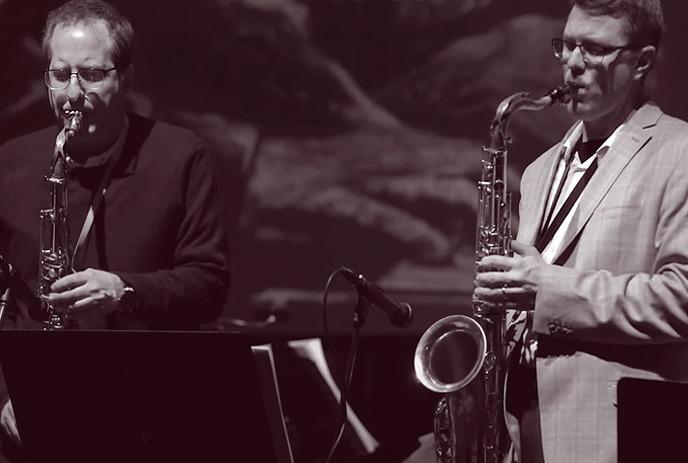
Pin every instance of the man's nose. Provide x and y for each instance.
(575, 60)
(74, 88)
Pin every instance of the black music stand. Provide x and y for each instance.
(651, 420)
(136, 396)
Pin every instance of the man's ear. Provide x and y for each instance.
(645, 61)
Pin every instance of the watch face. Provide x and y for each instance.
(127, 303)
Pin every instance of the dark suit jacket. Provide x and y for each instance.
(160, 226)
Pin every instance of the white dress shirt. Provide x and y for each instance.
(575, 172)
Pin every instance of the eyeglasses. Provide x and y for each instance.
(91, 79)
(593, 53)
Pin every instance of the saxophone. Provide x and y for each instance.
(54, 259)
(468, 421)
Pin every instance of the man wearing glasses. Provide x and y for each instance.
(599, 281)
(154, 253)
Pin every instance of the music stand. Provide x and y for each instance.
(136, 396)
(651, 417)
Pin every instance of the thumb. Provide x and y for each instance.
(524, 249)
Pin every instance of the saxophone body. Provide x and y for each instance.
(464, 357)
(54, 257)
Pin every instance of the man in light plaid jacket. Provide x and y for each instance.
(599, 280)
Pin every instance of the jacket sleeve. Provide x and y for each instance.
(193, 290)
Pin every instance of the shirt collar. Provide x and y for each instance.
(570, 143)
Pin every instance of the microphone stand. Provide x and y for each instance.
(360, 314)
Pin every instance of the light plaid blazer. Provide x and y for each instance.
(619, 305)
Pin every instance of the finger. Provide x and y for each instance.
(85, 304)
(487, 307)
(524, 249)
(487, 294)
(68, 281)
(495, 262)
(494, 279)
(510, 297)
(67, 297)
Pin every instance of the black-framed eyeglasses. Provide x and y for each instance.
(593, 53)
(91, 79)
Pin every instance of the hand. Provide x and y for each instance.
(88, 289)
(9, 423)
(509, 282)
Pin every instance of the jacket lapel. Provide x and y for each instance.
(632, 137)
(534, 210)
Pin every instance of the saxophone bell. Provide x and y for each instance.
(450, 354)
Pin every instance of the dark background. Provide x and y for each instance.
(346, 132)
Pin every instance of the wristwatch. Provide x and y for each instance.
(126, 305)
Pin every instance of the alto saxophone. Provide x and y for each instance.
(457, 349)
(55, 261)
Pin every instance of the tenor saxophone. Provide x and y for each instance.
(54, 258)
(458, 349)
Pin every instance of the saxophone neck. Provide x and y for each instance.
(522, 101)
(70, 129)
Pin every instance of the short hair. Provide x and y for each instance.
(89, 12)
(644, 17)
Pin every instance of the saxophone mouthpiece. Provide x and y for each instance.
(561, 94)
(74, 122)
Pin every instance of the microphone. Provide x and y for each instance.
(400, 314)
(10, 278)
